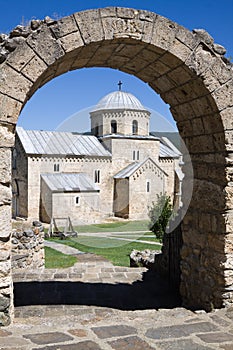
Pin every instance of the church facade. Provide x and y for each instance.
(118, 170)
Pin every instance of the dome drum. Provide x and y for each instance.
(120, 113)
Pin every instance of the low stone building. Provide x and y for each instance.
(116, 171)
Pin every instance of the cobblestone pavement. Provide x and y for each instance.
(94, 305)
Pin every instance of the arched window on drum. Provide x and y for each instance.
(113, 127)
(135, 127)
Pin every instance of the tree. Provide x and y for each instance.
(159, 214)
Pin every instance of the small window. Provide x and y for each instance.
(148, 186)
(97, 176)
(134, 155)
(113, 127)
(14, 159)
(135, 127)
(77, 201)
(56, 167)
(96, 130)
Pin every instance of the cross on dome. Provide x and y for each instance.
(120, 84)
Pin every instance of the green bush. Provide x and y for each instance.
(159, 214)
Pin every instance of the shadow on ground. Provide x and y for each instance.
(152, 292)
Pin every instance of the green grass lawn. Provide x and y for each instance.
(118, 254)
(55, 259)
(123, 226)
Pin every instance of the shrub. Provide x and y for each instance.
(159, 214)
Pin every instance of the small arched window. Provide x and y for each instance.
(135, 127)
(15, 188)
(113, 127)
(95, 130)
(14, 159)
(56, 167)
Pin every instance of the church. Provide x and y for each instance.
(117, 170)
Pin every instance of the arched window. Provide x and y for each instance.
(14, 159)
(56, 167)
(135, 127)
(95, 130)
(113, 127)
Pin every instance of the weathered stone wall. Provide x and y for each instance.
(191, 74)
(139, 199)
(121, 198)
(63, 205)
(38, 165)
(20, 176)
(28, 249)
(124, 120)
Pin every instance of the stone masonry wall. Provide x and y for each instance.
(191, 74)
(28, 249)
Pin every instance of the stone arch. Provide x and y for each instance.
(189, 72)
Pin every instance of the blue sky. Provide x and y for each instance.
(75, 91)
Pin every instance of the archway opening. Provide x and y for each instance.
(184, 69)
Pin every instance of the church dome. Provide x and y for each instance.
(119, 100)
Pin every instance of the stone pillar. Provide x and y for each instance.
(6, 284)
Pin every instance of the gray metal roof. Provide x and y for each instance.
(133, 167)
(60, 143)
(69, 182)
(167, 149)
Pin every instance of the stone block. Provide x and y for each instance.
(4, 303)
(182, 112)
(201, 59)
(34, 68)
(148, 19)
(7, 136)
(130, 343)
(5, 165)
(108, 25)
(187, 38)
(20, 57)
(201, 191)
(9, 109)
(45, 45)
(203, 106)
(212, 124)
(148, 75)
(180, 50)
(224, 96)
(4, 254)
(163, 33)
(71, 41)
(5, 268)
(48, 338)
(164, 84)
(13, 83)
(5, 194)
(221, 71)
(135, 65)
(108, 12)
(64, 26)
(180, 75)
(148, 55)
(227, 118)
(210, 80)
(122, 28)
(64, 66)
(5, 226)
(90, 26)
(127, 13)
